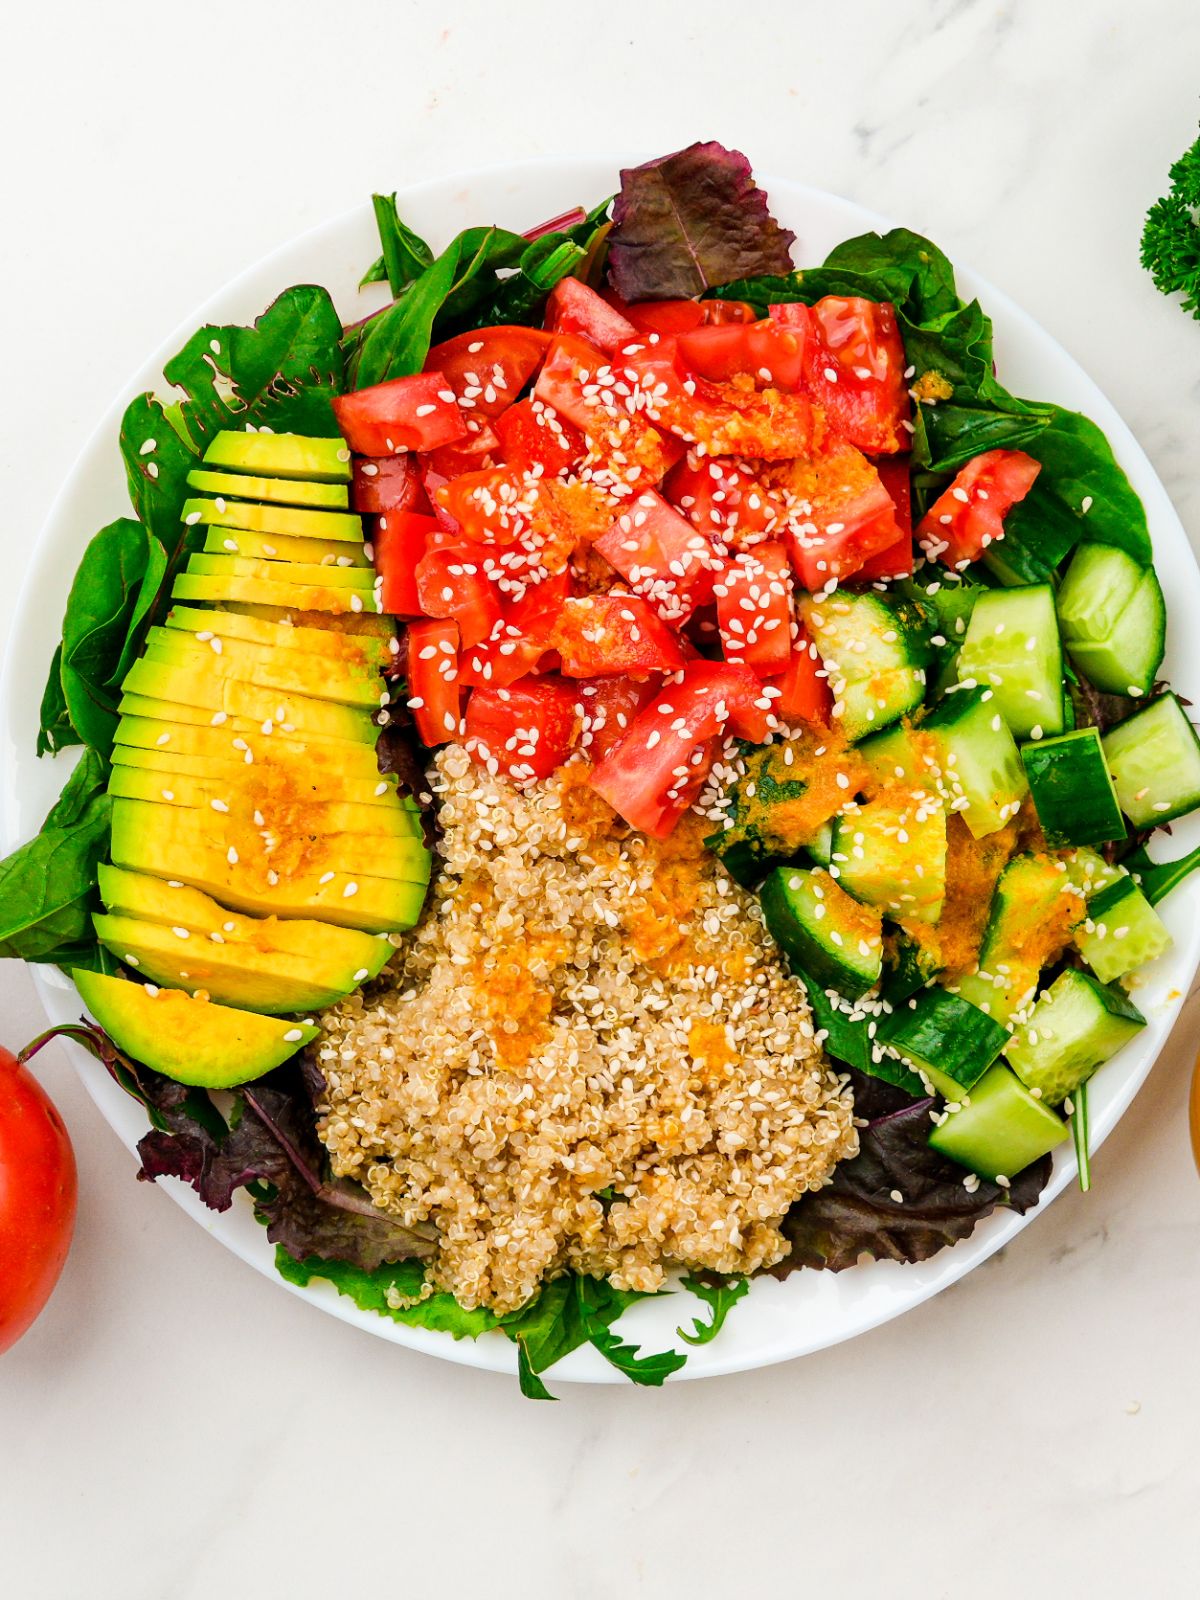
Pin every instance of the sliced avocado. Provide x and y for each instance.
(279, 805)
(285, 547)
(282, 709)
(281, 455)
(1000, 1129)
(301, 524)
(320, 677)
(365, 624)
(134, 780)
(1028, 924)
(354, 957)
(193, 1041)
(300, 573)
(276, 600)
(283, 491)
(356, 649)
(180, 738)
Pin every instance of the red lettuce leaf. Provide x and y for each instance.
(855, 1214)
(690, 221)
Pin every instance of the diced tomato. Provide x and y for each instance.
(850, 515)
(414, 413)
(401, 539)
(717, 313)
(533, 435)
(487, 368)
(521, 638)
(660, 316)
(896, 561)
(609, 707)
(583, 384)
(721, 497)
(767, 352)
(649, 776)
(569, 369)
(574, 308)
(754, 608)
(490, 506)
(804, 692)
(661, 556)
(452, 581)
(962, 522)
(606, 635)
(435, 697)
(386, 483)
(527, 729)
(855, 366)
(471, 454)
(432, 482)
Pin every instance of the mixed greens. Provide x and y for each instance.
(973, 642)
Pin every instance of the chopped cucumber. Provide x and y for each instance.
(1154, 758)
(1096, 588)
(980, 761)
(1012, 646)
(946, 1038)
(875, 648)
(891, 852)
(1027, 924)
(1075, 1027)
(1000, 1129)
(820, 846)
(1122, 931)
(767, 819)
(909, 967)
(828, 935)
(1074, 795)
(1113, 619)
(1089, 872)
(901, 754)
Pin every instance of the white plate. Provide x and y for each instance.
(777, 1320)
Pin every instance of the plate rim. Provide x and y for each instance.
(497, 1354)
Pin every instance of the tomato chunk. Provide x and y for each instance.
(754, 608)
(491, 506)
(661, 556)
(452, 581)
(804, 692)
(609, 707)
(568, 382)
(896, 561)
(526, 730)
(843, 514)
(487, 368)
(574, 308)
(414, 413)
(962, 522)
(521, 637)
(386, 483)
(435, 696)
(855, 366)
(722, 497)
(472, 454)
(767, 351)
(660, 316)
(601, 635)
(533, 435)
(401, 539)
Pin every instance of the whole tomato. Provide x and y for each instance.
(37, 1198)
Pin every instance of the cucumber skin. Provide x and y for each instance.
(947, 1038)
(1072, 791)
(799, 942)
(1124, 746)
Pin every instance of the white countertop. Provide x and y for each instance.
(175, 1427)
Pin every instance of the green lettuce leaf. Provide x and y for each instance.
(370, 1290)
(47, 887)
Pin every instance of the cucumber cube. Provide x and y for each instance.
(1074, 795)
(1012, 646)
(1154, 758)
(1075, 1027)
(1000, 1129)
(1122, 932)
(980, 761)
(828, 935)
(946, 1038)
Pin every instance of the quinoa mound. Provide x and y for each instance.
(587, 1056)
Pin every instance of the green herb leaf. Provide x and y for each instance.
(55, 731)
(370, 1290)
(1171, 237)
(1080, 1133)
(1158, 878)
(599, 1307)
(720, 1296)
(532, 1386)
(405, 254)
(47, 886)
(848, 1040)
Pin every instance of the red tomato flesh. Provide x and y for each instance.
(855, 366)
(533, 435)
(574, 308)
(804, 692)
(962, 522)
(414, 413)
(850, 516)
(896, 561)
(38, 1188)
(387, 483)
(660, 316)
(488, 368)
(609, 635)
(722, 498)
(754, 608)
(400, 541)
(452, 581)
(767, 352)
(609, 706)
(435, 696)
(526, 730)
(661, 556)
(521, 638)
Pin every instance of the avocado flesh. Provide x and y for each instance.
(193, 1041)
(281, 708)
(173, 713)
(195, 781)
(271, 669)
(281, 455)
(299, 573)
(282, 491)
(350, 649)
(351, 957)
(365, 624)
(285, 547)
(234, 742)
(301, 523)
(275, 599)
(280, 808)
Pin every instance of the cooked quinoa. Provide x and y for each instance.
(588, 1055)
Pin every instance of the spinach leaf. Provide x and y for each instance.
(849, 1040)
(688, 221)
(47, 885)
(720, 1295)
(402, 1280)
(54, 730)
(1158, 878)
(405, 254)
(280, 373)
(157, 462)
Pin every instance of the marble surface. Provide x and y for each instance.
(175, 1426)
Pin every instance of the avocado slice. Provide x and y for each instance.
(193, 1041)
(300, 573)
(366, 624)
(320, 677)
(283, 491)
(274, 599)
(285, 547)
(227, 743)
(180, 784)
(157, 680)
(356, 649)
(281, 804)
(352, 956)
(301, 523)
(281, 455)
